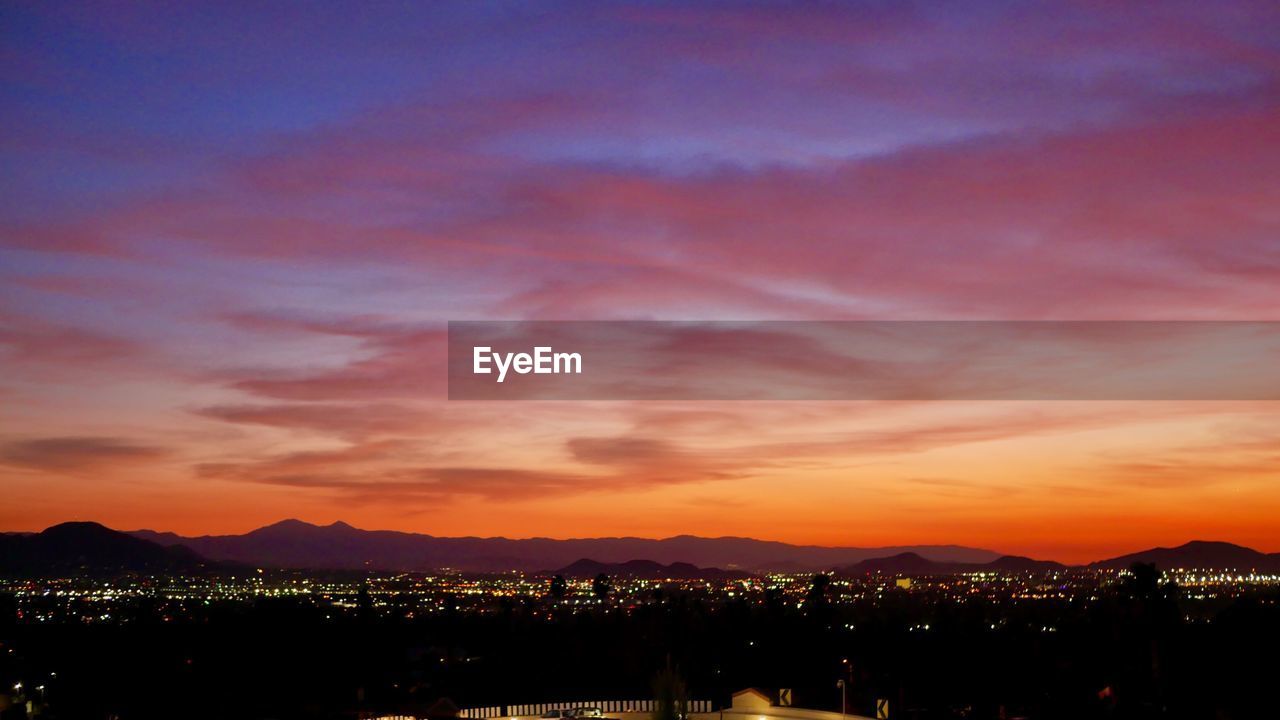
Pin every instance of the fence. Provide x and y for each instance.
(606, 706)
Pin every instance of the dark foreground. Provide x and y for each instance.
(1136, 648)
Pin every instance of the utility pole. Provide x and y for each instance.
(846, 670)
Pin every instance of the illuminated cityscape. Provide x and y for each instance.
(442, 637)
(406, 596)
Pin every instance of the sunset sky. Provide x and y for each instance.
(231, 236)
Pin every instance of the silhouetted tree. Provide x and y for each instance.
(1152, 618)
(601, 586)
(558, 587)
(670, 694)
(364, 603)
(1144, 584)
(818, 590)
(774, 599)
(1143, 581)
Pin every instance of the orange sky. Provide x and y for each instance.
(228, 253)
(1073, 481)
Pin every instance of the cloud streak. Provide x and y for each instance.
(76, 454)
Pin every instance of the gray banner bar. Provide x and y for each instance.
(864, 360)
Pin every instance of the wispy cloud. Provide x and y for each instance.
(76, 454)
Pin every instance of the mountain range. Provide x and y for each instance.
(296, 544)
(647, 570)
(909, 562)
(80, 548)
(1197, 554)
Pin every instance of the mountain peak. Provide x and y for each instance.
(288, 524)
(1194, 554)
(89, 547)
(296, 525)
(1210, 545)
(78, 528)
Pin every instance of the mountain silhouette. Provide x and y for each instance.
(297, 544)
(90, 548)
(87, 548)
(1197, 554)
(913, 564)
(1018, 563)
(647, 570)
(907, 562)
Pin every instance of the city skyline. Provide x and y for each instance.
(233, 241)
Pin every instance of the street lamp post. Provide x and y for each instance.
(847, 671)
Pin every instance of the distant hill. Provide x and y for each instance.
(913, 564)
(296, 544)
(907, 562)
(87, 548)
(648, 570)
(1197, 554)
(1017, 563)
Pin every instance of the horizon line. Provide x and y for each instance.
(902, 546)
